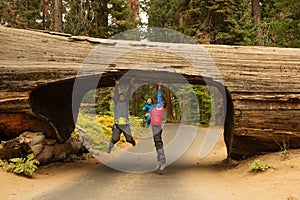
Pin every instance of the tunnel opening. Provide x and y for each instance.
(226, 105)
(55, 101)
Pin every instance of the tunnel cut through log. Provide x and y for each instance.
(59, 103)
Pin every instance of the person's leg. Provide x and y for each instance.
(110, 146)
(116, 132)
(161, 159)
(148, 119)
(127, 133)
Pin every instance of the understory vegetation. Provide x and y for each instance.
(258, 166)
(21, 166)
(98, 129)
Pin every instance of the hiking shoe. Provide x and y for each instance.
(162, 166)
(133, 143)
(110, 146)
(157, 166)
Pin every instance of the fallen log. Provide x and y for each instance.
(38, 72)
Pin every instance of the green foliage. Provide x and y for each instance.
(284, 24)
(258, 166)
(83, 156)
(206, 21)
(23, 166)
(163, 13)
(230, 22)
(24, 13)
(97, 19)
(94, 18)
(106, 123)
(242, 24)
(97, 135)
(185, 99)
(205, 103)
(103, 97)
(75, 135)
(99, 129)
(86, 156)
(137, 125)
(199, 111)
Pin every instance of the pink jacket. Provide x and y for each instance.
(156, 116)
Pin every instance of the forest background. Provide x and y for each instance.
(229, 22)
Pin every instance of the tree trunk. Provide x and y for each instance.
(257, 19)
(180, 22)
(58, 16)
(135, 10)
(169, 105)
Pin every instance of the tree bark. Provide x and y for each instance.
(181, 23)
(58, 16)
(169, 106)
(135, 10)
(257, 19)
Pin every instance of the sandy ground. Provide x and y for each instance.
(215, 181)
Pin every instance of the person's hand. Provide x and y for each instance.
(147, 114)
(159, 84)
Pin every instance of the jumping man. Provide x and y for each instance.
(121, 117)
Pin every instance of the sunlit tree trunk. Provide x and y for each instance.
(134, 7)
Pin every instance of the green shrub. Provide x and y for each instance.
(257, 166)
(23, 166)
(99, 129)
(97, 134)
(75, 135)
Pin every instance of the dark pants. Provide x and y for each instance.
(159, 146)
(121, 128)
(148, 120)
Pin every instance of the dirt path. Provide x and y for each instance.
(188, 178)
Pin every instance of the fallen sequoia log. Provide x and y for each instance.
(38, 72)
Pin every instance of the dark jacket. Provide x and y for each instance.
(121, 108)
